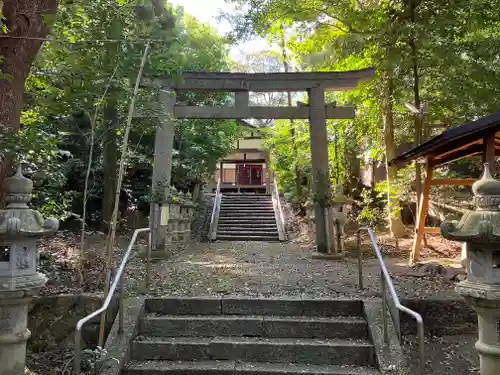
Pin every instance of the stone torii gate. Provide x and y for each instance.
(317, 111)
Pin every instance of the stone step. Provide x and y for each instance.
(236, 237)
(249, 228)
(250, 224)
(247, 220)
(246, 194)
(250, 349)
(247, 207)
(249, 211)
(255, 219)
(247, 201)
(247, 197)
(253, 326)
(253, 232)
(255, 306)
(253, 214)
(239, 368)
(265, 205)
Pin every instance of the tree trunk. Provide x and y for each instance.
(396, 225)
(196, 192)
(24, 20)
(110, 162)
(298, 177)
(111, 123)
(416, 96)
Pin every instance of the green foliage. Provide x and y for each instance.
(91, 358)
(284, 161)
(454, 48)
(372, 211)
(91, 66)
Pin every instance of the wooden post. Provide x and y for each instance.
(268, 174)
(489, 151)
(319, 159)
(422, 214)
(221, 172)
(162, 167)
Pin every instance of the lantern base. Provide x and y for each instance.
(15, 296)
(485, 300)
(479, 293)
(23, 284)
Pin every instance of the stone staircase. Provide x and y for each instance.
(247, 217)
(213, 336)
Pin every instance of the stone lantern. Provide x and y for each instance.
(339, 219)
(20, 228)
(480, 230)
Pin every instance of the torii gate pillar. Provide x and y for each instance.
(162, 169)
(319, 159)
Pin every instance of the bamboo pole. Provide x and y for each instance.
(111, 236)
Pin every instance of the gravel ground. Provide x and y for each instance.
(274, 269)
(287, 269)
(283, 269)
(446, 355)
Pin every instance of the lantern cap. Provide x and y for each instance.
(483, 224)
(18, 190)
(487, 185)
(17, 219)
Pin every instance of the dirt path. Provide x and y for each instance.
(274, 269)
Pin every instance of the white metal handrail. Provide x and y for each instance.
(386, 282)
(280, 209)
(117, 279)
(215, 209)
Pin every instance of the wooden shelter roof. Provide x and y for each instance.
(464, 141)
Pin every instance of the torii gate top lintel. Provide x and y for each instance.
(317, 111)
(267, 82)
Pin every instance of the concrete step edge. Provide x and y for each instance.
(249, 226)
(270, 318)
(262, 326)
(247, 238)
(231, 367)
(275, 341)
(271, 350)
(230, 305)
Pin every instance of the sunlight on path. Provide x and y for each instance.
(270, 269)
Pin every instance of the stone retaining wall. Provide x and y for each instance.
(52, 320)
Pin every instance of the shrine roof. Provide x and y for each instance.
(464, 141)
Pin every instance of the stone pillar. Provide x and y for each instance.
(340, 201)
(268, 177)
(162, 170)
(20, 228)
(319, 159)
(480, 230)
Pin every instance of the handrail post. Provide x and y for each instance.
(360, 259)
(120, 306)
(117, 279)
(384, 307)
(421, 339)
(77, 359)
(148, 261)
(217, 200)
(276, 193)
(387, 284)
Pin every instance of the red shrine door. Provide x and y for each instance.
(249, 174)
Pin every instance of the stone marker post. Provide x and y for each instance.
(480, 229)
(20, 228)
(339, 220)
